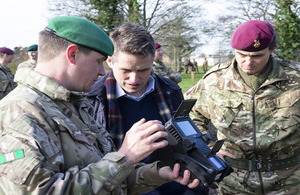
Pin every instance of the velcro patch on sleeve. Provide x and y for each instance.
(11, 156)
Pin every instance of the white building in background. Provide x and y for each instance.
(211, 59)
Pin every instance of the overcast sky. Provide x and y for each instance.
(22, 20)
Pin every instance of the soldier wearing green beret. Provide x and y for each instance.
(32, 52)
(7, 83)
(49, 142)
(254, 102)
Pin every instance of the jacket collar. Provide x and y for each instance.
(98, 88)
(232, 81)
(46, 85)
(4, 67)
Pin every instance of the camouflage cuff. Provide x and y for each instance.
(122, 167)
(152, 173)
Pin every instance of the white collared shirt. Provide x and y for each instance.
(120, 92)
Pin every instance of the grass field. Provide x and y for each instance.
(187, 81)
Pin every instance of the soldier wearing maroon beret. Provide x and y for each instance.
(7, 83)
(254, 102)
(163, 70)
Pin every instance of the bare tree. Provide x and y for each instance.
(68, 7)
(169, 21)
(178, 35)
(237, 12)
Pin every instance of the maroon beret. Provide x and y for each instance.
(157, 45)
(6, 50)
(253, 35)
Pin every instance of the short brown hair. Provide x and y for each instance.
(133, 39)
(51, 45)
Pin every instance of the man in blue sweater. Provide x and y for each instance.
(131, 91)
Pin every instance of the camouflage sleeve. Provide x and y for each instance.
(174, 75)
(199, 119)
(3, 84)
(201, 112)
(148, 178)
(41, 171)
(164, 71)
(160, 71)
(40, 166)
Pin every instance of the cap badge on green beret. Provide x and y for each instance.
(256, 43)
(82, 32)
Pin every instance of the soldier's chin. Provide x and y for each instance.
(249, 71)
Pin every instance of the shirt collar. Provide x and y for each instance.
(120, 92)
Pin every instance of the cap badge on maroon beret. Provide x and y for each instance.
(256, 43)
(253, 35)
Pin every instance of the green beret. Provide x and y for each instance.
(33, 47)
(82, 32)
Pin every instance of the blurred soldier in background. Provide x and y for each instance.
(254, 102)
(32, 52)
(161, 69)
(195, 66)
(188, 66)
(7, 83)
(205, 65)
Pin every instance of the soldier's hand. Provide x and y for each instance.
(139, 141)
(223, 153)
(168, 174)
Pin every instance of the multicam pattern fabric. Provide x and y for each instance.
(65, 151)
(161, 69)
(27, 64)
(7, 83)
(236, 110)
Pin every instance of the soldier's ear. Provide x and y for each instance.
(71, 53)
(109, 61)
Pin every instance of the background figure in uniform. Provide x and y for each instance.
(254, 102)
(32, 52)
(195, 66)
(7, 83)
(49, 142)
(188, 66)
(205, 65)
(131, 91)
(161, 69)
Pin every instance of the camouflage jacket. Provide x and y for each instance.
(161, 69)
(27, 64)
(7, 81)
(271, 114)
(49, 144)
